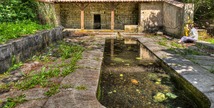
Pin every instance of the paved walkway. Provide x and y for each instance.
(88, 74)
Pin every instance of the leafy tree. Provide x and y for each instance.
(13, 10)
(204, 9)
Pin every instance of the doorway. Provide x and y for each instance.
(97, 21)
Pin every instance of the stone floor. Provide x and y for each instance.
(88, 75)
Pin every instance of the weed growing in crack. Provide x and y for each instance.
(81, 87)
(176, 45)
(15, 65)
(66, 86)
(12, 102)
(41, 79)
(52, 91)
(163, 42)
(212, 69)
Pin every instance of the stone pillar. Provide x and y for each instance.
(144, 53)
(140, 19)
(188, 12)
(188, 15)
(112, 48)
(112, 19)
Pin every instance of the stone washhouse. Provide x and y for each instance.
(129, 15)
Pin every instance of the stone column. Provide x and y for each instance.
(112, 19)
(112, 48)
(144, 53)
(188, 15)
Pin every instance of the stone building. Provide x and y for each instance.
(140, 15)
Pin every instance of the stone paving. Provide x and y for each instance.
(88, 74)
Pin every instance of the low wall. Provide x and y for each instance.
(25, 47)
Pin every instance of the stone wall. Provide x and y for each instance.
(25, 47)
(125, 14)
(70, 15)
(150, 16)
(169, 16)
(173, 19)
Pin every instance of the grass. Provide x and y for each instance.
(176, 45)
(211, 40)
(206, 37)
(15, 65)
(53, 90)
(212, 70)
(61, 70)
(13, 30)
(66, 86)
(12, 102)
(4, 87)
(163, 42)
(81, 87)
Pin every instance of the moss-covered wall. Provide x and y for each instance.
(125, 14)
(47, 13)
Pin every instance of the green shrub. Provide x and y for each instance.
(9, 30)
(16, 10)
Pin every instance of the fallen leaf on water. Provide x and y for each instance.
(138, 58)
(127, 64)
(134, 81)
(171, 95)
(121, 75)
(159, 97)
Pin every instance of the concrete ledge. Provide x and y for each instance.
(25, 47)
(207, 45)
(131, 28)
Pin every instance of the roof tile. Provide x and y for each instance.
(100, 0)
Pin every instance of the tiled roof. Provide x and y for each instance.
(55, 1)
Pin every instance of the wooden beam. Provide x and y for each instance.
(82, 15)
(82, 19)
